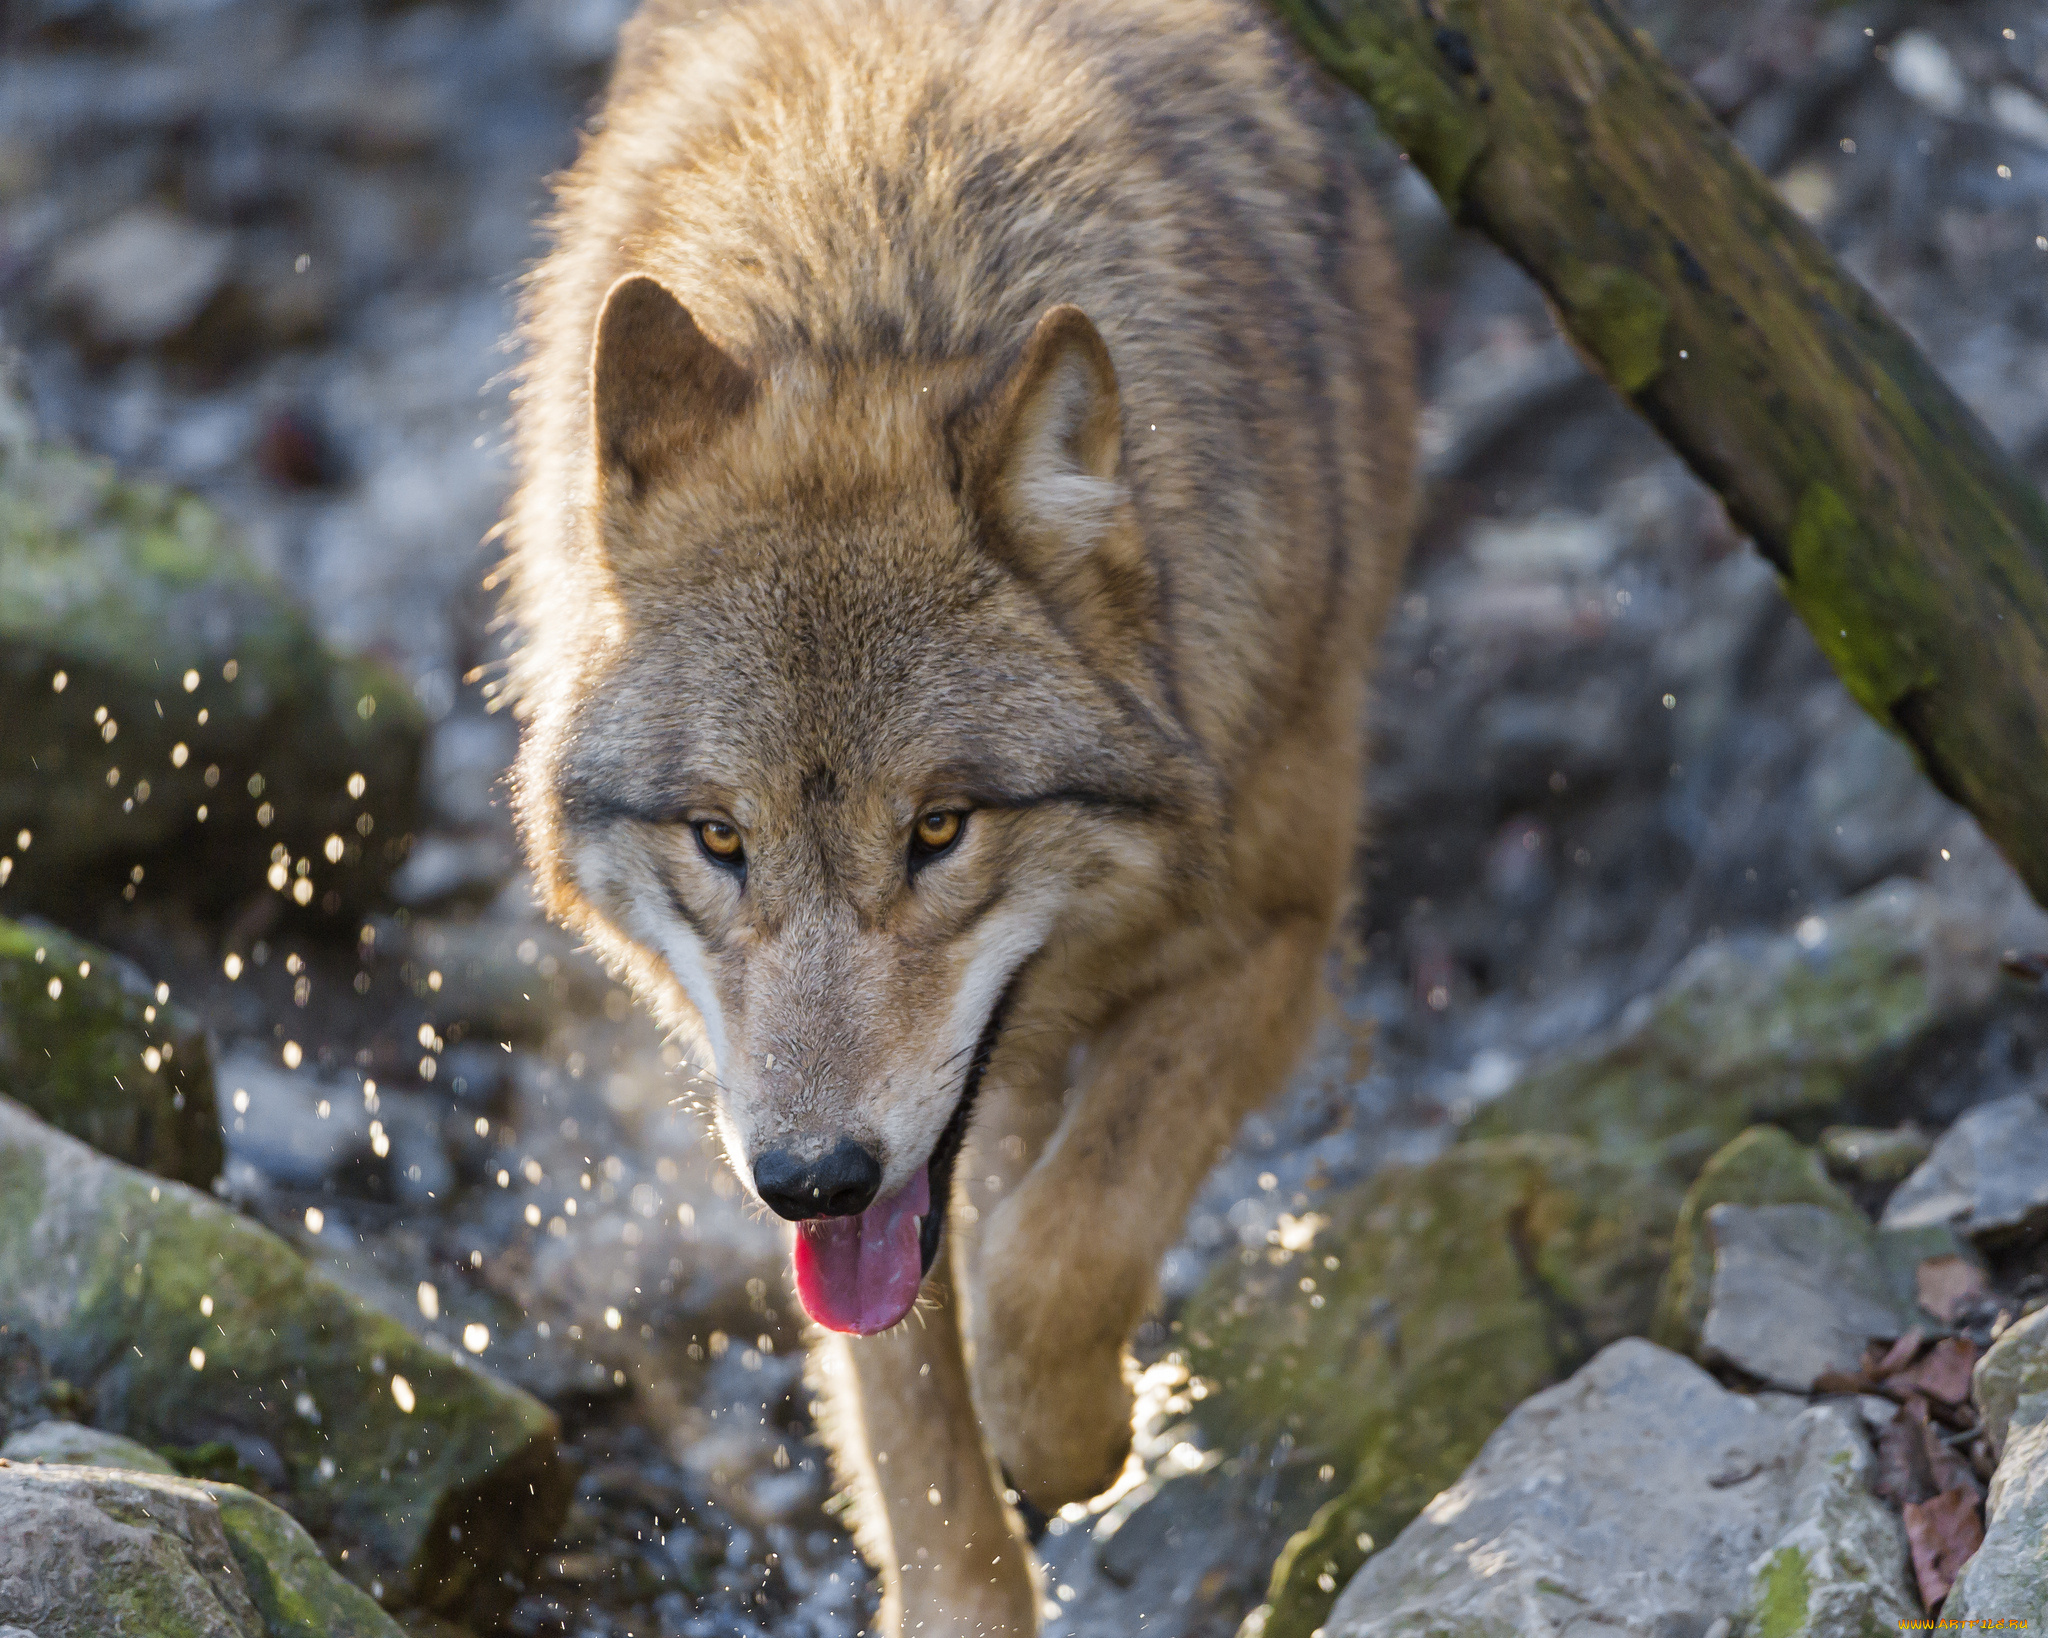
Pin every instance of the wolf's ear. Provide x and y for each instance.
(659, 387)
(1059, 441)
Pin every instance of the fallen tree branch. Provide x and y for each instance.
(1913, 547)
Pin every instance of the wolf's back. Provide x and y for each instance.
(839, 181)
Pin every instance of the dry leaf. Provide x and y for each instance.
(1895, 1358)
(1944, 1375)
(1943, 1533)
(1946, 1286)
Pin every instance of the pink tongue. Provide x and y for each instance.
(861, 1274)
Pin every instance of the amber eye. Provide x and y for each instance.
(936, 831)
(720, 840)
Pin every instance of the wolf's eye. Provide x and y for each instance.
(721, 841)
(936, 831)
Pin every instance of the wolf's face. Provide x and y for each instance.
(874, 714)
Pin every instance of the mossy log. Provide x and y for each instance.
(1914, 549)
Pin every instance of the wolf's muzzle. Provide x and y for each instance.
(842, 1183)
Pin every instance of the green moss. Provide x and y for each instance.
(298, 1593)
(1785, 1595)
(1459, 1288)
(1620, 316)
(1853, 617)
(1395, 68)
(123, 589)
(102, 1059)
(1761, 1167)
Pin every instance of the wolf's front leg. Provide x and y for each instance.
(1066, 1262)
(927, 1513)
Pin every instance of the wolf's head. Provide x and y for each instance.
(871, 709)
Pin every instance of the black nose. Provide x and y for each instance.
(841, 1184)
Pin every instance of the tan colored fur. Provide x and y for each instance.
(858, 520)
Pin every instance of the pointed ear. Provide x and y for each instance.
(659, 387)
(1058, 465)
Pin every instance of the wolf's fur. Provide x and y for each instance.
(840, 513)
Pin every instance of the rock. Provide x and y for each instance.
(92, 1550)
(275, 1126)
(1872, 1154)
(2008, 1576)
(1797, 1290)
(72, 1444)
(142, 278)
(1987, 1176)
(1762, 1167)
(182, 1323)
(1448, 1293)
(88, 1045)
(2014, 1366)
(444, 870)
(506, 981)
(173, 724)
(1756, 1028)
(467, 756)
(1640, 1497)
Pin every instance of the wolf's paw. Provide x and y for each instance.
(1059, 1422)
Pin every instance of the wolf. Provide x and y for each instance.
(965, 460)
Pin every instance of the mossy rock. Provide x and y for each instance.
(181, 1323)
(106, 1550)
(149, 671)
(1756, 1029)
(86, 1044)
(73, 1444)
(1458, 1289)
(1763, 1166)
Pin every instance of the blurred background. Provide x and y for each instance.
(267, 251)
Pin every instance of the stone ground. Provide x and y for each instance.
(268, 250)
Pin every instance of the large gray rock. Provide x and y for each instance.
(1797, 1290)
(94, 1552)
(1415, 1312)
(1987, 1176)
(182, 1323)
(141, 278)
(2008, 1576)
(1640, 1497)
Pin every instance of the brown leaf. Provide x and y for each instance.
(1903, 1473)
(1948, 1467)
(1944, 1375)
(1895, 1358)
(1946, 1286)
(1943, 1533)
